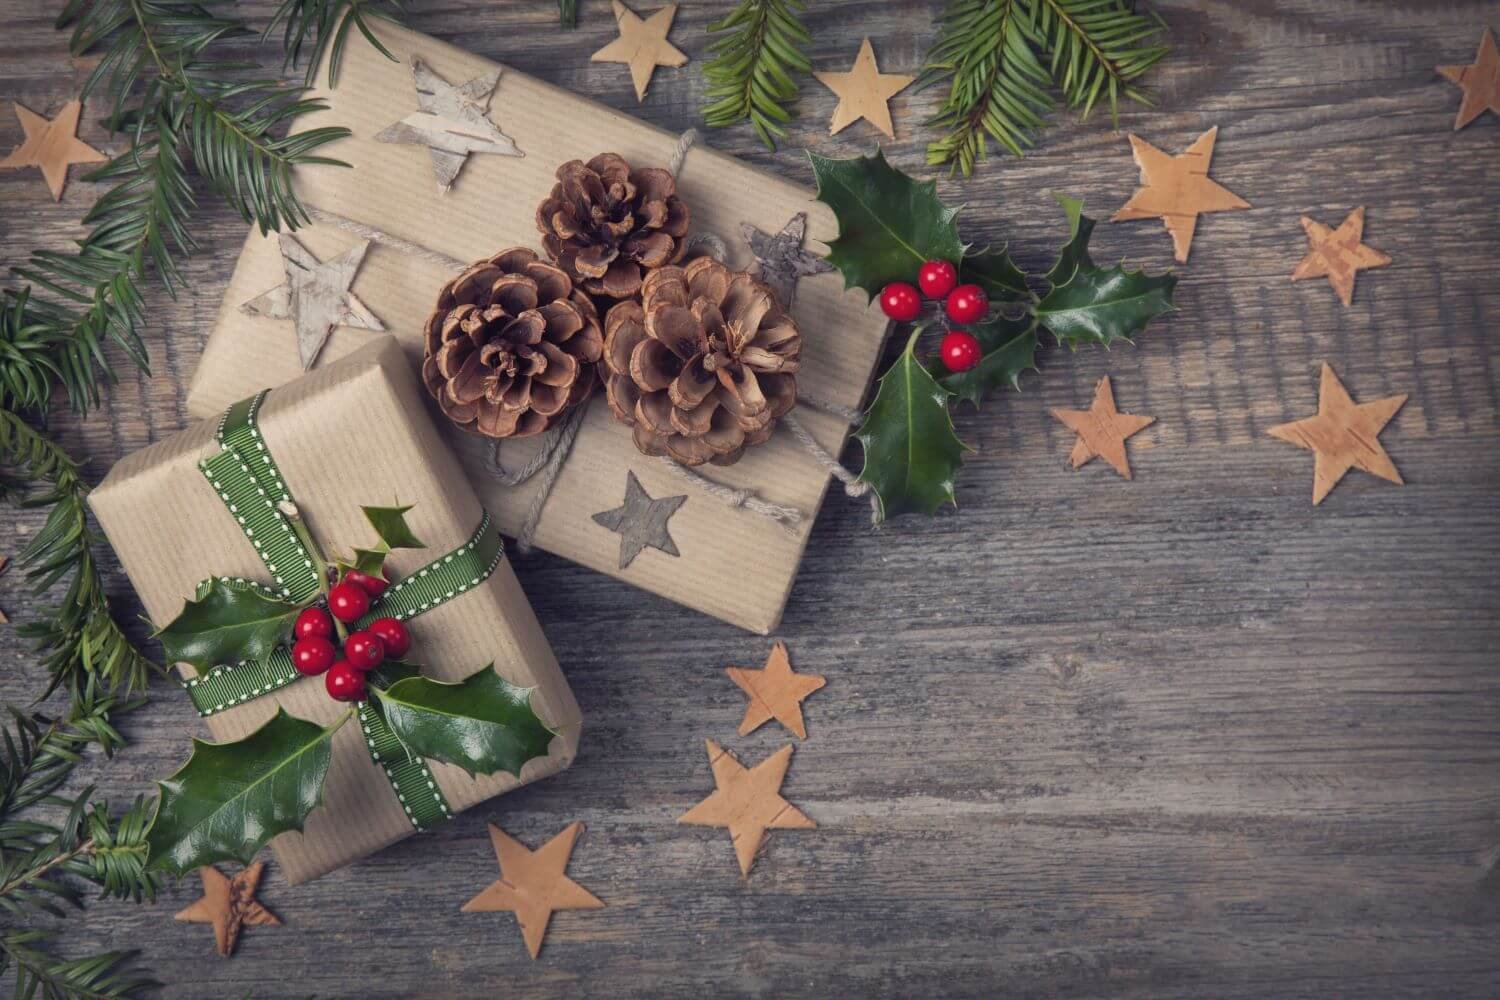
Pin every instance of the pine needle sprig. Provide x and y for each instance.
(105, 976)
(327, 24)
(751, 75)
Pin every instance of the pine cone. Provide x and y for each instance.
(606, 224)
(511, 346)
(703, 365)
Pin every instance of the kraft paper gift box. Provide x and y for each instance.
(734, 564)
(348, 435)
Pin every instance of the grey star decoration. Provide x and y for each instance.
(316, 296)
(641, 521)
(782, 259)
(451, 122)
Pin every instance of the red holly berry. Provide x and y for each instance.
(364, 651)
(900, 301)
(393, 635)
(937, 278)
(348, 602)
(959, 350)
(372, 585)
(312, 655)
(344, 683)
(967, 304)
(313, 623)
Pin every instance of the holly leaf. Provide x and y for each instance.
(390, 524)
(371, 561)
(1075, 252)
(1101, 305)
(889, 223)
(1008, 348)
(996, 273)
(911, 453)
(483, 723)
(227, 622)
(229, 799)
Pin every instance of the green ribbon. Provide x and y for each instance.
(245, 476)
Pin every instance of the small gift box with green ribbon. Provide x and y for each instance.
(346, 621)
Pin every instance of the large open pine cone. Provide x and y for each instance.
(511, 346)
(606, 224)
(702, 366)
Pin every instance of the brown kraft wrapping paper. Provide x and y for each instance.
(348, 435)
(735, 565)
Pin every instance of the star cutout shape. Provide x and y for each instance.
(747, 802)
(1338, 254)
(533, 884)
(1177, 189)
(51, 146)
(1480, 81)
(1344, 435)
(776, 692)
(642, 44)
(452, 122)
(1102, 430)
(863, 92)
(782, 259)
(229, 904)
(316, 296)
(641, 521)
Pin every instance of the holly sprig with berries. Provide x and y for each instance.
(229, 799)
(894, 229)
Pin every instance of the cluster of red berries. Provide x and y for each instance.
(313, 651)
(964, 304)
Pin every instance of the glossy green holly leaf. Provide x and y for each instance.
(912, 456)
(483, 723)
(227, 622)
(1008, 348)
(390, 524)
(1101, 305)
(890, 224)
(996, 273)
(1075, 252)
(230, 798)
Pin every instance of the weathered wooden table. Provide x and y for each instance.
(1181, 736)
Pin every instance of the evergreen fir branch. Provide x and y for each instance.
(751, 73)
(327, 24)
(1095, 49)
(105, 976)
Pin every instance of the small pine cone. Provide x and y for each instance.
(608, 225)
(703, 365)
(511, 346)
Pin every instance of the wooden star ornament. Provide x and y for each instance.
(641, 521)
(1338, 254)
(747, 802)
(781, 259)
(864, 92)
(1480, 82)
(642, 45)
(51, 146)
(1344, 435)
(316, 296)
(776, 692)
(229, 904)
(533, 884)
(451, 121)
(1102, 430)
(1177, 189)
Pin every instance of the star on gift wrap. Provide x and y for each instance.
(451, 121)
(533, 884)
(777, 692)
(864, 92)
(228, 904)
(51, 146)
(1177, 189)
(1480, 81)
(1344, 435)
(641, 521)
(1338, 254)
(781, 257)
(1102, 430)
(642, 45)
(747, 802)
(316, 296)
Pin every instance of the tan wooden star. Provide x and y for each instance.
(316, 296)
(229, 904)
(1344, 435)
(863, 92)
(1480, 81)
(747, 802)
(1102, 430)
(1177, 189)
(642, 44)
(1338, 254)
(776, 692)
(51, 146)
(534, 884)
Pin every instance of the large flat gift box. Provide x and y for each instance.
(733, 564)
(348, 435)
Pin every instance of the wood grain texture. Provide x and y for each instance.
(1185, 736)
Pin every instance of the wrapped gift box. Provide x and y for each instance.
(734, 564)
(348, 435)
